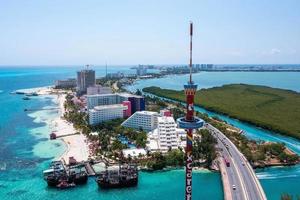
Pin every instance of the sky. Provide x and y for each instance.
(126, 32)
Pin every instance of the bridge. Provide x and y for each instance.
(239, 179)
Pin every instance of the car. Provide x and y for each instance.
(233, 187)
(243, 163)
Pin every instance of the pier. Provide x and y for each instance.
(52, 137)
(89, 169)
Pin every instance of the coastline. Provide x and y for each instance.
(76, 143)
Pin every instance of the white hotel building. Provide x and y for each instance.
(107, 112)
(145, 120)
(166, 136)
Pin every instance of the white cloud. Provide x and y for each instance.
(275, 51)
(271, 52)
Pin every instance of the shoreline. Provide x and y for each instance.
(76, 144)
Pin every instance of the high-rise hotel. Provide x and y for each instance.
(85, 79)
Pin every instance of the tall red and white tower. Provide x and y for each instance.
(189, 122)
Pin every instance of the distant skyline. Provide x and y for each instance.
(134, 32)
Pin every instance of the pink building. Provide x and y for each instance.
(127, 113)
(166, 113)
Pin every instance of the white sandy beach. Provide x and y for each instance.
(77, 145)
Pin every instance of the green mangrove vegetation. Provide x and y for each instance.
(270, 108)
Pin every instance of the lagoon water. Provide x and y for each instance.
(25, 149)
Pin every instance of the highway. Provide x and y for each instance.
(243, 182)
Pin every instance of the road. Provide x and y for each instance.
(240, 173)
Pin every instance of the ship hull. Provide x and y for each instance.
(121, 184)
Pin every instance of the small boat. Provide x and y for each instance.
(26, 98)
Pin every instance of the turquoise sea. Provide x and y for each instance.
(25, 149)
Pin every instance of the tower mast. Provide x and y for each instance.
(189, 123)
(191, 50)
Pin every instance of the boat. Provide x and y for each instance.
(63, 184)
(124, 176)
(26, 98)
(57, 172)
(78, 178)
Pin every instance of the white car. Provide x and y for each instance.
(233, 187)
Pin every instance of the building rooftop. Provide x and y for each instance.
(108, 107)
(113, 94)
(145, 112)
(129, 95)
(166, 119)
(99, 95)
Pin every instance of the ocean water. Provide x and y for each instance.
(27, 151)
(284, 80)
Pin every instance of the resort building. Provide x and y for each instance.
(85, 78)
(107, 112)
(166, 113)
(98, 89)
(100, 100)
(145, 120)
(63, 84)
(137, 102)
(127, 113)
(166, 136)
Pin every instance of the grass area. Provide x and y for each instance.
(269, 108)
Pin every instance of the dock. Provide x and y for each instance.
(89, 169)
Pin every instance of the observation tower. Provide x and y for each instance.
(189, 123)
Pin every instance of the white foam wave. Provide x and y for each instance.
(276, 176)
